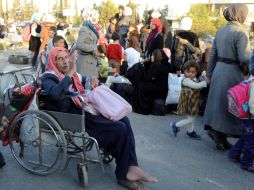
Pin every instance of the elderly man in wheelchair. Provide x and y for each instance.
(114, 137)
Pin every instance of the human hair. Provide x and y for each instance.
(101, 49)
(191, 64)
(135, 33)
(115, 36)
(121, 7)
(53, 28)
(157, 55)
(57, 38)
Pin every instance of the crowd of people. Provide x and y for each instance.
(145, 53)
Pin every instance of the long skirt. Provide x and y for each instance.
(116, 138)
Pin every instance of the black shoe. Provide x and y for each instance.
(194, 135)
(218, 142)
(2, 162)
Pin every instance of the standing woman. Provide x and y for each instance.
(86, 44)
(155, 38)
(230, 52)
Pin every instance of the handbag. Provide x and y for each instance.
(174, 88)
(108, 103)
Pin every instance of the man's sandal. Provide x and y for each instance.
(132, 185)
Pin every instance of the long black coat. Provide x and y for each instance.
(153, 86)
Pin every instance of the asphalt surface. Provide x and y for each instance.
(179, 163)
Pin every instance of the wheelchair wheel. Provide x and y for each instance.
(42, 142)
(82, 174)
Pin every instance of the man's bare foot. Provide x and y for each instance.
(135, 174)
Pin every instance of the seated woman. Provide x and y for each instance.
(131, 57)
(115, 137)
(154, 84)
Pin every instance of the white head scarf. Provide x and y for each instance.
(89, 14)
(127, 11)
(186, 23)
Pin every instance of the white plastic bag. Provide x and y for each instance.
(29, 130)
(174, 88)
(117, 80)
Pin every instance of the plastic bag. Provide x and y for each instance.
(174, 88)
(117, 80)
(29, 130)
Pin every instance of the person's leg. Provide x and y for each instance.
(2, 162)
(218, 138)
(236, 150)
(34, 58)
(247, 160)
(186, 123)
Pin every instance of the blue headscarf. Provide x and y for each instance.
(89, 25)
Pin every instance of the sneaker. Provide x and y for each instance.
(194, 135)
(175, 129)
(248, 168)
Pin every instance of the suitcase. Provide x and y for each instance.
(18, 59)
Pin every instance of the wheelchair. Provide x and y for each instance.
(44, 141)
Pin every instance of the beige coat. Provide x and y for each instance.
(86, 46)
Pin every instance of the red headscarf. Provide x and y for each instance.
(153, 33)
(51, 66)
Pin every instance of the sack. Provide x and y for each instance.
(26, 33)
(174, 88)
(238, 99)
(21, 95)
(29, 130)
(117, 80)
(108, 103)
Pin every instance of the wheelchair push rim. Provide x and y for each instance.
(44, 151)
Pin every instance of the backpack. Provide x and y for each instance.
(26, 33)
(181, 54)
(238, 99)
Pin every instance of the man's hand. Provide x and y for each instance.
(72, 70)
(95, 82)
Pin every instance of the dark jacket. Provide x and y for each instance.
(156, 43)
(57, 91)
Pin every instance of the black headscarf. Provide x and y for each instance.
(236, 12)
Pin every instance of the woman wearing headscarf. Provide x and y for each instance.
(86, 44)
(155, 39)
(115, 137)
(230, 52)
(154, 84)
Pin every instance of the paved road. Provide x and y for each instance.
(179, 163)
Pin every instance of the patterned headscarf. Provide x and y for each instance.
(89, 14)
(52, 68)
(236, 12)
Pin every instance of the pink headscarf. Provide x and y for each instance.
(51, 66)
(153, 33)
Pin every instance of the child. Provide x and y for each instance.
(189, 99)
(103, 64)
(59, 41)
(115, 53)
(243, 150)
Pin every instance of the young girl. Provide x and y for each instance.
(189, 100)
